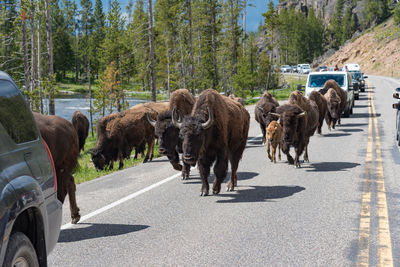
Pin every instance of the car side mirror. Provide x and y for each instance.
(396, 106)
(365, 77)
(396, 95)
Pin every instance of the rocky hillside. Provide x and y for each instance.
(376, 50)
(323, 7)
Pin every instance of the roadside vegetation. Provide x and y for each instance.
(86, 171)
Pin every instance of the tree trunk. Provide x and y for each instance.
(151, 43)
(26, 59)
(33, 53)
(191, 45)
(214, 45)
(50, 57)
(244, 27)
(38, 63)
(182, 62)
(90, 99)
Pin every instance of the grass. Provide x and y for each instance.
(86, 170)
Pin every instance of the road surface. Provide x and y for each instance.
(341, 209)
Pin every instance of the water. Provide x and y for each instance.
(65, 107)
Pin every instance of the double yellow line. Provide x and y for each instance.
(385, 257)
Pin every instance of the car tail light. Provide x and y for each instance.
(52, 164)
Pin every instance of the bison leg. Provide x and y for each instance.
(71, 188)
(299, 150)
(274, 153)
(264, 133)
(185, 171)
(204, 168)
(279, 150)
(174, 160)
(268, 150)
(233, 180)
(286, 150)
(150, 147)
(220, 169)
(328, 120)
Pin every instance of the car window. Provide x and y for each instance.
(319, 80)
(15, 116)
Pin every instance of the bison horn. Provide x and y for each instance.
(177, 123)
(275, 114)
(302, 114)
(260, 108)
(150, 119)
(208, 123)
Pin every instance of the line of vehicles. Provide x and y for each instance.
(396, 106)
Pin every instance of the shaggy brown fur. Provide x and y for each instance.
(62, 140)
(237, 99)
(294, 131)
(224, 139)
(339, 91)
(263, 109)
(320, 100)
(182, 101)
(311, 118)
(274, 135)
(333, 108)
(81, 125)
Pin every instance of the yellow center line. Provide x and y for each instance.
(385, 257)
(365, 216)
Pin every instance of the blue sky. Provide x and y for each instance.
(254, 17)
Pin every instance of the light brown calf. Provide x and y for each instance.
(274, 133)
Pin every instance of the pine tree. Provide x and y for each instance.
(98, 36)
(397, 14)
(337, 24)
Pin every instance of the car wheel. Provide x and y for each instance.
(20, 252)
(351, 110)
(346, 113)
(356, 96)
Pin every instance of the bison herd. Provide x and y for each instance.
(208, 130)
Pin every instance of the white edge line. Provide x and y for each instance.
(120, 201)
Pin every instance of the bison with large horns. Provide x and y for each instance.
(182, 102)
(264, 110)
(62, 140)
(339, 91)
(215, 131)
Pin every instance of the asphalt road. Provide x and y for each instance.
(330, 212)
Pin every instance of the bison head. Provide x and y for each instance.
(192, 132)
(98, 159)
(167, 133)
(267, 112)
(334, 108)
(290, 118)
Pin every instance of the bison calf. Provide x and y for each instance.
(274, 133)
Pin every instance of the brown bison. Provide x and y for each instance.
(62, 140)
(320, 100)
(215, 131)
(237, 99)
(274, 135)
(294, 130)
(118, 134)
(81, 125)
(182, 102)
(264, 110)
(333, 105)
(339, 91)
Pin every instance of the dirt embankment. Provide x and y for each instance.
(377, 51)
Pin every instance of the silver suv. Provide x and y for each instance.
(30, 216)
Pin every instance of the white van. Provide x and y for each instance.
(353, 67)
(316, 81)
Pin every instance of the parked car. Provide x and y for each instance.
(352, 67)
(322, 68)
(30, 215)
(316, 81)
(299, 66)
(359, 76)
(305, 70)
(397, 107)
(286, 68)
(356, 83)
(294, 68)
